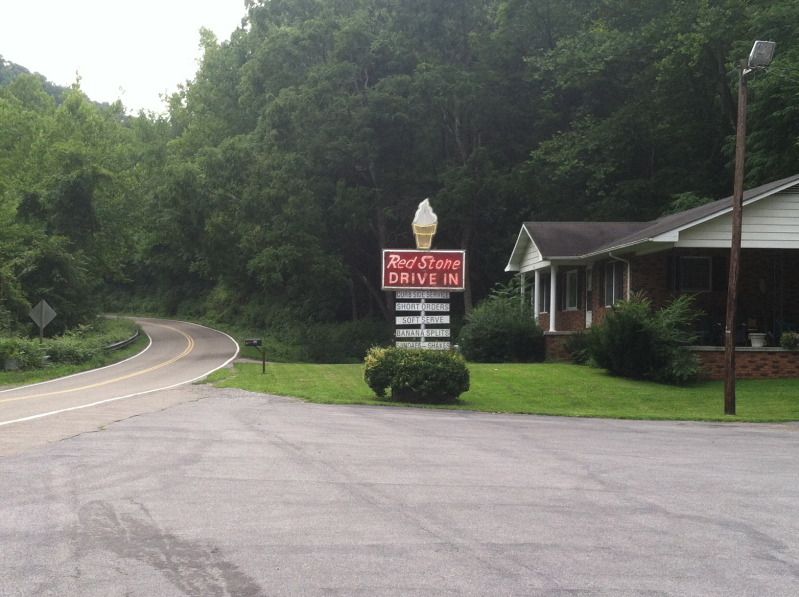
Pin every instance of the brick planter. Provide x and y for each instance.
(750, 363)
(555, 346)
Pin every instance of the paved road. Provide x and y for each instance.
(178, 353)
(232, 493)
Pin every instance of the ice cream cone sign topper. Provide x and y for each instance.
(425, 223)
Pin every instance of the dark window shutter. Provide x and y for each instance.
(619, 275)
(607, 284)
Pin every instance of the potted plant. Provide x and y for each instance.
(757, 339)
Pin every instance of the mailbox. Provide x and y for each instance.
(253, 342)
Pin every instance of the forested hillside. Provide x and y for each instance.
(306, 140)
(10, 71)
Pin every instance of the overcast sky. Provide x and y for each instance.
(131, 51)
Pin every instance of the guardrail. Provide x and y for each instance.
(124, 343)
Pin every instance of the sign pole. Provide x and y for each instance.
(423, 314)
(42, 314)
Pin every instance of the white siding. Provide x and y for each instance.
(531, 256)
(770, 223)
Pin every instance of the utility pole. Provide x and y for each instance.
(735, 247)
(759, 58)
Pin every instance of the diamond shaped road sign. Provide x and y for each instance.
(42, 314)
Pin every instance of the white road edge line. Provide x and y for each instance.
(41, 383)
(107, 400)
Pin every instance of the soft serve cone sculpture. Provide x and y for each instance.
(425, 223)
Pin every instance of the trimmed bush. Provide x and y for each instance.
(635, 341)
(499, 330)
(416, 375)
(789, 340)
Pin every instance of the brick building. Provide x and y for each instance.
(580, 269)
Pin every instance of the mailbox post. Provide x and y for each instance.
(257, 343)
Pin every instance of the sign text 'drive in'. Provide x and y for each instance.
(408, 269)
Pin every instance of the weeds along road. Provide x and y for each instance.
(178, 353)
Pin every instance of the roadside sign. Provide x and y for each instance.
(423, 270)
(428, 345)
(422, 294)
(42, 314)
(418, 333)
(426, 307)
(417, 320)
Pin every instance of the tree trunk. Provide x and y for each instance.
(353, 299)
(385, 309)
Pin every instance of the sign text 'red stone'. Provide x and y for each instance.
(423, 269)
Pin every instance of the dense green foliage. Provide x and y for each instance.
(789, 340)
(416, 375)
(501, 330)
(578, 347)
(636, 341)
(305, 141)
(80, 345)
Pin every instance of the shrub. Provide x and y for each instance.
(501, 329)
(577, 345)
(416, 375)
(789, 340)
(635, 341)
(81, 344)
(71, 349)
(27, 354)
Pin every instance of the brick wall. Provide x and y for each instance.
(569, 321)
(555, 346)
(565, 321)
(751, 363)
(767, 295)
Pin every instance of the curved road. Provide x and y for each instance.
(178, 353)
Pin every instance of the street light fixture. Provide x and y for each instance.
(762, 54)
(759, 58)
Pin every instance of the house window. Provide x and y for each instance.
(695, 274)
(543, 296)
(571, 290)
(614, 282)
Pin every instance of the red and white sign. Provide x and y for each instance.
(404, 268)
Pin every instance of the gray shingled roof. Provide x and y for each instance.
(576, 239)
(571, 239)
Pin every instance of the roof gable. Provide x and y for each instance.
(697, 215)
(584, 239)
(573, 239)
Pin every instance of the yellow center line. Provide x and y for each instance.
(189, 348)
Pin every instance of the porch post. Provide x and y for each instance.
(537, 296)
(553, 304)
(522, 279)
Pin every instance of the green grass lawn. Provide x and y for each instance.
(541, 388)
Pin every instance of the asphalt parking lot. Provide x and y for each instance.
(230, 493)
